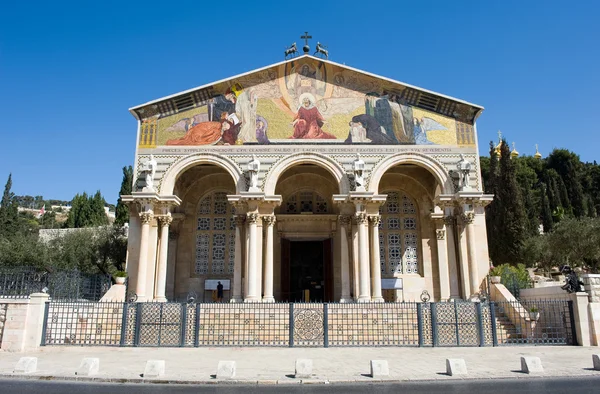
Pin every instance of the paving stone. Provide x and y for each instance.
(154, 369)
(531, 364)
(304, 368)
(26, 365)
(456, 366)
(226, 370)
(379, 368)
(596, 361)
(88, 367)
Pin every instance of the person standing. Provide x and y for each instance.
(219, 292)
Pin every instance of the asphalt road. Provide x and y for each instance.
(579, 385)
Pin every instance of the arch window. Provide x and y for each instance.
(398, 235)
(305, 202)
(215, 235)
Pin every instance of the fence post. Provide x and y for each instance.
(434, 333)
(124, 323)
(480, 324)
(572, 319)
(138, 322)
(197, 327)
(325, 325)
(291, 324)
(45, 324)
(420, 323)
(183, 323)
(493, 323)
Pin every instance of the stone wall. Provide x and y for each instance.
(591, 284)
(21, 322)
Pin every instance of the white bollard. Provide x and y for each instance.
(531, 365)
(154, 369)
(26, 365)
(596, 361)
(226, 370)
(88, 367)
(456, 366)
(304, 368)
(379, 368)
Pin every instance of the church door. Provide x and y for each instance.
(306, 271)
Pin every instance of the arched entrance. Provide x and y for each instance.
(306, 234)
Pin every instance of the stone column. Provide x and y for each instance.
(355, 273)
(237, 265)
(344, 257)
(442, 252)
(253, 294)
(364, 285)
(140, 290)
(161, 274)
(374, 221)
(468, 219)
(269, 221)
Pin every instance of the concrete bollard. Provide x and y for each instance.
(304, 368)
(596, 361)
(26, 365)
(531, 365)
(379, 368)
(154, 369)
(88, 367)
(226, 370)
(456, 366)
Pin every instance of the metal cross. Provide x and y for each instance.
(305, 37)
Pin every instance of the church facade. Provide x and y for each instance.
(307, 180)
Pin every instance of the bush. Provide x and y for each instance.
(120, 274)
(512, 276)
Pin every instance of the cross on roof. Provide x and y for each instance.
(305, 37)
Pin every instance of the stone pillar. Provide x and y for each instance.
(442, 252)
(468, 219)
(269, 221)
(364, 285)
(35, 321)
(140, 290)
(581, 317)
(161, 274)
(355, 274)
(374, 221)
(253, 292)
(344, 257)
(237, 265)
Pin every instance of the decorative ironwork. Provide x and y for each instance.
(309, 324)
(60, 285)
(425, 297)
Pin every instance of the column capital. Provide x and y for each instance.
(361, 218)
(467, 218)
(252, 217)
(165, 220)
(269, 220)
(449, 220)
(374, 220)
(345, 220)
(146, 217)
(440, 234)
(239, 220)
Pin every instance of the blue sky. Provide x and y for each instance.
(69, 71)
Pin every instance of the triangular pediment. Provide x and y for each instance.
(307, 98)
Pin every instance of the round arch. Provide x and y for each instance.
(419, 159)
(334, 168)
(179, 167)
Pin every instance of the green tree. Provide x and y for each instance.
(87, 211)
(492, 217)
(570, 169)
(547, 221)
(122, 211)
(9, 213)
(511, 217)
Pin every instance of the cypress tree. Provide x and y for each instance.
(511, 215)
(491, 217)
(547, 220)
(565, 202)
(9, 213)
(122, 210)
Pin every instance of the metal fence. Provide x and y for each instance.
(308, 324)
(61, 285)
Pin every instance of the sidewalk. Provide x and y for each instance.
(276, 365)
